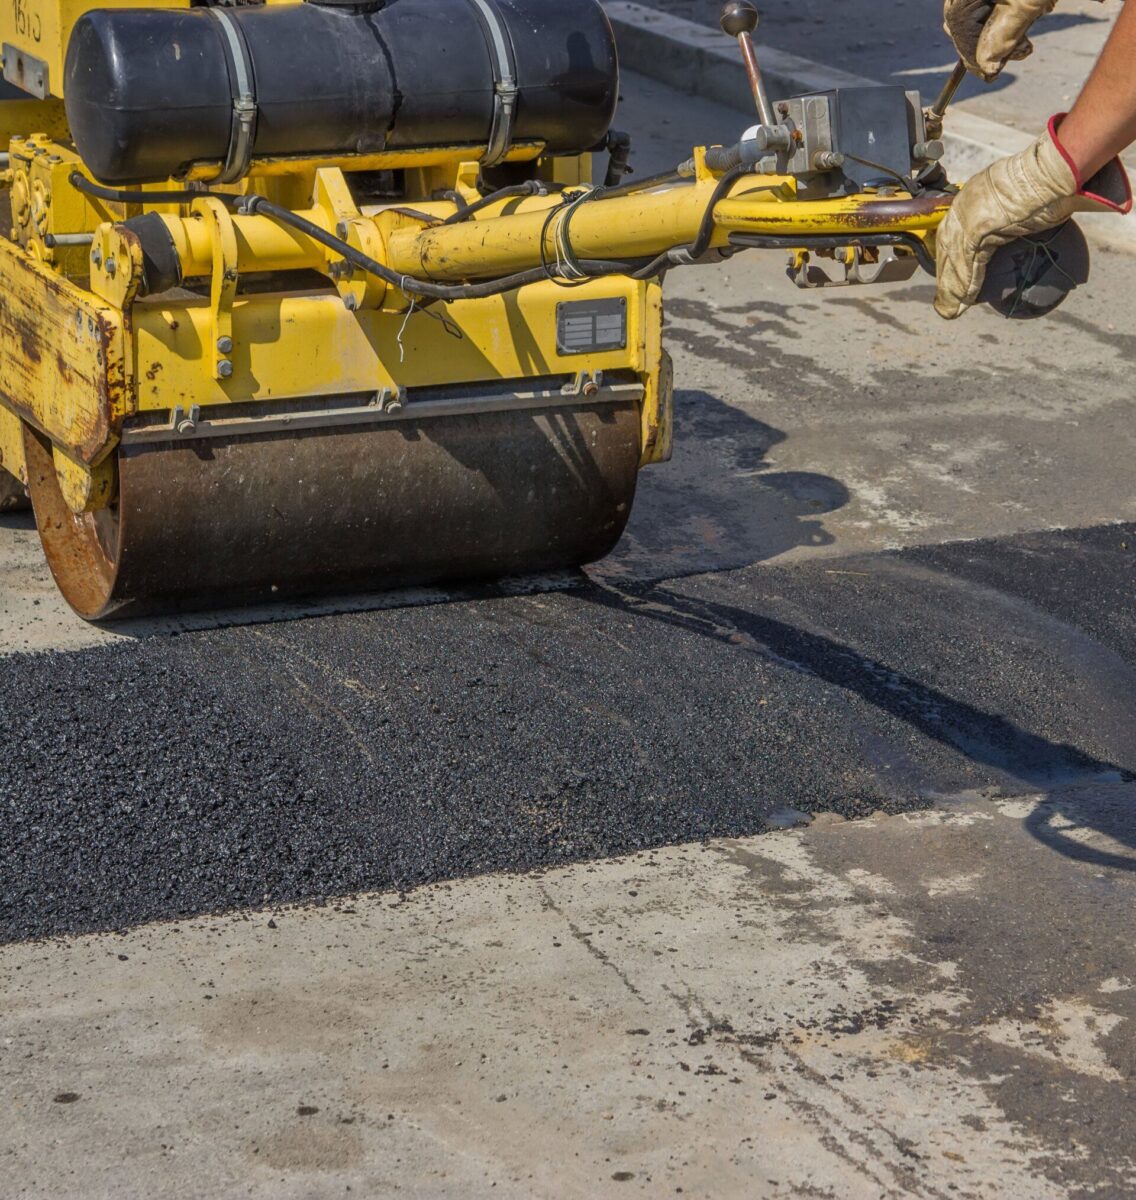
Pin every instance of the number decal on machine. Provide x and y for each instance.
(28, 24)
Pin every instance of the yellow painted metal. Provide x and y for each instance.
(640, 225)
(80, 351)
(116, 268)
(222, 283)
(519, 235)
(297, 345)
(17, 117)
(658, 376)
(570, 170)
(44, 204)
(850, 215)
(233, 347)
(262, 245)
(63, 355)
(85, 488)
(12, 445)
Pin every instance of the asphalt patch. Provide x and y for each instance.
(283, 763)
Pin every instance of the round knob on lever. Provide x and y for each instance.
(738, 17)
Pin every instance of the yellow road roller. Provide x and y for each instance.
(324, 297)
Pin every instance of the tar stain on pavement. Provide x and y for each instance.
(297, 762)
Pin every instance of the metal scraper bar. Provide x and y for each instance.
(381, 408)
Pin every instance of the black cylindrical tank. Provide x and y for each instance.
(149, 91)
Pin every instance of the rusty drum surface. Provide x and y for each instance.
(211, 521)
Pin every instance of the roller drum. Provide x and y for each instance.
(204, 523)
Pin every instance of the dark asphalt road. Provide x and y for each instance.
(291, 762)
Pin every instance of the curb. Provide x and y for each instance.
(701, 61)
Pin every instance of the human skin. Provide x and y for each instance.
(1103, 121)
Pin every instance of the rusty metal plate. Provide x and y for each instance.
(62, 356)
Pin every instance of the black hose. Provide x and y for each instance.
(123, 196)
(531, 187)
(706, 230)
(417, 287)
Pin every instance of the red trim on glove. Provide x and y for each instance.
(1112, 177)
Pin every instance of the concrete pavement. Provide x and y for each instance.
(903, 42)
(932, 1005)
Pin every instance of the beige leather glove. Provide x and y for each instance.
(989, 33)
(1027, 193)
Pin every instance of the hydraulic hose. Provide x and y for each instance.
(531, 187)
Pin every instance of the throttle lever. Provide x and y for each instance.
(935, 114)
(739, 19)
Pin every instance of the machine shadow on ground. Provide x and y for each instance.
(1062, 823)
(720, 504)
(1019, 757)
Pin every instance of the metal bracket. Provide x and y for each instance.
(387, 406)
(184, 422)
(332, 195)
(222, 283)
(850, 266)
(807, 243)
(243, 128)
(505, 89)
(25, 71)
(584, 383)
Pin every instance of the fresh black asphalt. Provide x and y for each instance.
(307, 760)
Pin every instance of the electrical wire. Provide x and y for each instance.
(531, 187)
(701, 243)
(125, 196)
(909, 185)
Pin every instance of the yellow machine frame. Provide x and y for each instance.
(85, 352)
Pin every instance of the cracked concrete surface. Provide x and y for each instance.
(935, 1005)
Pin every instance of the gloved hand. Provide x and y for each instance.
(989, 33)
(1029, 192)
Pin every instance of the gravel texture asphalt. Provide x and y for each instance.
(229, 768)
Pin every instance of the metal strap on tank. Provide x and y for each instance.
(243, 127)
(505, 84)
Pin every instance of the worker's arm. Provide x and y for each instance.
(1072, 168)
(1103, 121)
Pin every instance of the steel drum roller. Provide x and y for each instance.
(215, 521)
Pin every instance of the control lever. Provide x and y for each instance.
(1030, 276)
(739, 20)
(935, 114)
